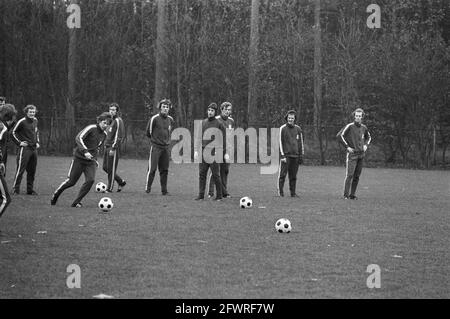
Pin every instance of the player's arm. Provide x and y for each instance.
(117, 127)
(15, 133)
(343, 140)
(281, 141)
(80, 139)
(367, 139)
(38, 141)
(3, 130)
(301, 145)
(150, 126)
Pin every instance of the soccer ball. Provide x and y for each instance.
(283, 225)
(100, 187)
(105, 204)
(246, 202)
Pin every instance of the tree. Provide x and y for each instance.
(251, 117)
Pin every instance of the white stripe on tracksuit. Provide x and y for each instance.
(68, 178)
(149, 166)
(18, 165)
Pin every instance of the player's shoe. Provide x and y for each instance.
(119, 188)
(199, 197)
(148, 190)
(77, 205)
(165, 193)
(353, 197)
(227, 196)
(210, 195)
(345, 197)
(295, 195)
(218, 199)
(54, 200)
(32, 192)
(281, 194)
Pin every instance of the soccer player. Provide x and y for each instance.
(226, 108)
(158, 129)
(292, 151)
(210, 122)
(8, 124)
(26, 135)
(88, 141)
(356, 138)
(7, 116)
(114, 137)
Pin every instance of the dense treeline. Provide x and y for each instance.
(398, 73)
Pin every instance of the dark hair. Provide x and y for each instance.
(29, 107)
(166, 102)
(116, 105)
(7, 112)
(213, 106)
(2, 99)
(290, 112)
(104, 116)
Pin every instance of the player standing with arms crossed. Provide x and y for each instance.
(26, 135)
(226, 108)
(114, 137)
(292, 151)
(158, 129)
(356, 138)
(88, 141)
(7, 116)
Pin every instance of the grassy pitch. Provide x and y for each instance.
(154, 246)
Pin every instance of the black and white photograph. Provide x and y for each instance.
(224, 154)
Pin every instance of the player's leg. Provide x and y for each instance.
(210, 185)
(75, 171)
(109, 168)
(31, 172)
(21, 164)
(224, 169)
(202, 171)
(5, 199)
(282, 171)
(292, 171)
(117, 178)
(163, 166)
(349, 172)
(356, 174)
(215, 170)
(152, 166)
(89, 169)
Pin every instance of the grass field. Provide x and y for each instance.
(153, 246)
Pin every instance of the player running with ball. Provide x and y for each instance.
(84, 160)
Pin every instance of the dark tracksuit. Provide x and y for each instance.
(88, 140)
(292, 149)
(26, 130)
(354, 135)
(204, 166)
(114, 136)
(224, 167)
(5, 199)
(158, 130)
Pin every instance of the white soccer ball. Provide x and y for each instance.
(246, 202)
(105, 204)
(100, 187)
(283, 225)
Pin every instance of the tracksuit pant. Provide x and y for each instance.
(78, 167)
(224, 169)
(289, 167)
(158, 159)
(26, 161)
(110, 163)
(5, 199)
(354, 165)
(203, 170)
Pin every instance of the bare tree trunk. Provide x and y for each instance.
(318, 79)
(251, 117)
(71, 82)
(161, 72)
